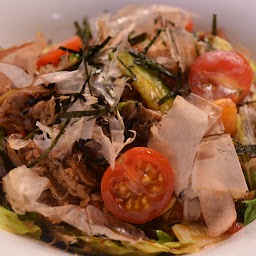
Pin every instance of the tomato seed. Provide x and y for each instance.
(119, 200)
(145, 203)
(145, 178)
(129, 205)
(148, 168)
(156, 189)
(160, 177)
(122, 188)
(136, 205)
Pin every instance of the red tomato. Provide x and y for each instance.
(228, 73)
(140, 187)
(189, 26)
(54, 55)
(235, 228)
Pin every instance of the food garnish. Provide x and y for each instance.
(136, 136)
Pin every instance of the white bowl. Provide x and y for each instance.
(21, 20)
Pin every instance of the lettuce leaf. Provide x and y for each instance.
(196, 233)
(163, 237)
(23, 188)
(99, 245)
(250, 211)
(78, 242)
(10, 222)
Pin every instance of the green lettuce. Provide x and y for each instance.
(99, 245)
(10, 221)
(95, 245)
(163, 237)
(250, 211)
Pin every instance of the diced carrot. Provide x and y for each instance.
(54, 55)
(229, 115)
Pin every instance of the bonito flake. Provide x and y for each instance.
(204, 160)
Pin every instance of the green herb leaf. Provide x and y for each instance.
(163, 237)
(94, 113)
(78, 54)
(143, 60)
(137, 39)
(167, 97)
(94, 50)
(250, 211)
(84, 31)
(214, 25)
(152, 41)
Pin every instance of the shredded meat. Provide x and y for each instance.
(72, 182)
(140, 119)
(15, 113)
(45, 111)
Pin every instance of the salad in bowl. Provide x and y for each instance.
(134, 136)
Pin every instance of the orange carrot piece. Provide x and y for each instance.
(54, 55)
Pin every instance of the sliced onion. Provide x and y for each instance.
(18, 76)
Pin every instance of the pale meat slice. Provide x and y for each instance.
(191, 209)
(178, 137)
(217, 167)
(207, 170)
(217, 178)
(215, 125)
(218, 209)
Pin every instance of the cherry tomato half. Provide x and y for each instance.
(140, 187)
(227, 72)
